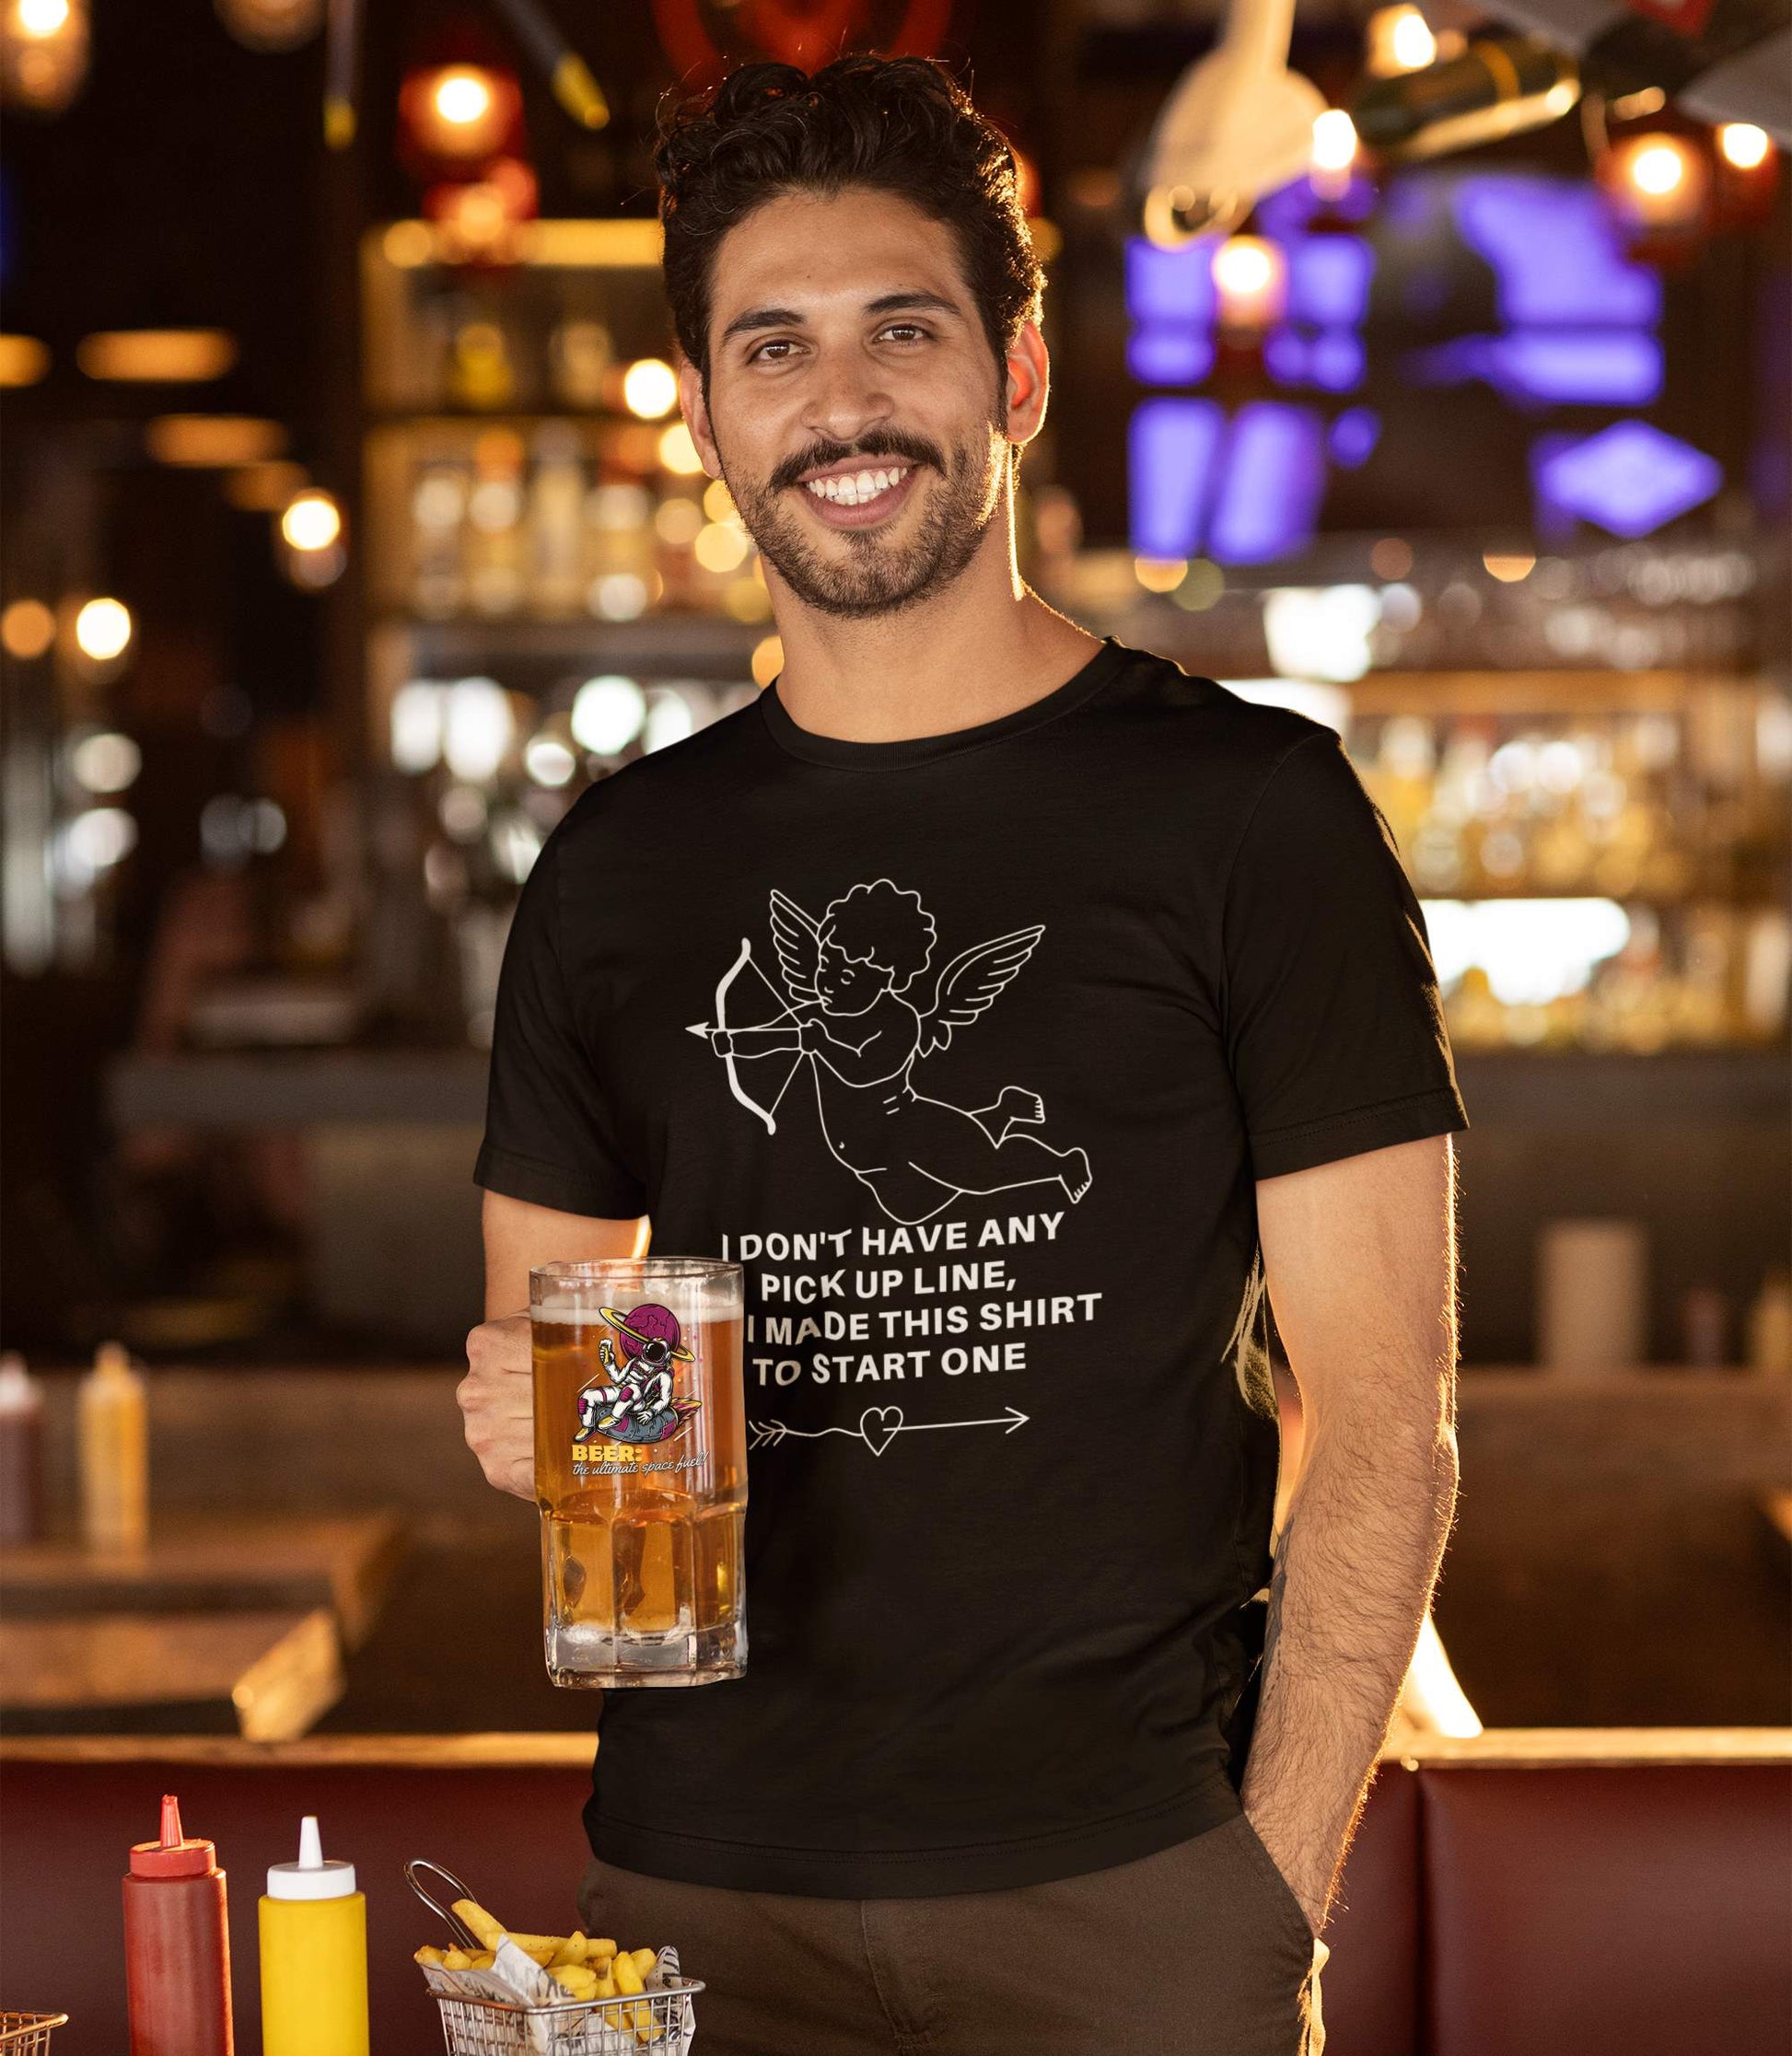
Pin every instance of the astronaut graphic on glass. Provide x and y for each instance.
(858, 1010)
(637, 1404)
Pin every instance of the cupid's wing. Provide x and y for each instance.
(970, 982)
(798, 945)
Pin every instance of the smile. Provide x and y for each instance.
(857, 489)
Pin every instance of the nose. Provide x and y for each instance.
(846, 400)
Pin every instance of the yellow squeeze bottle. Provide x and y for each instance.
(314, 1956)
(114, 1443)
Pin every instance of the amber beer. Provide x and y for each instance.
(640, 1469)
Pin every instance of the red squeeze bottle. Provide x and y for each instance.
(177, 1946)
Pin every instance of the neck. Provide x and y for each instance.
(984, 646)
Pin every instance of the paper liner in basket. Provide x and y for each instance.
(518, 1980)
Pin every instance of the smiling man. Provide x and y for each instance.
(1081, 1012)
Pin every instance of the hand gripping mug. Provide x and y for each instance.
(640, 1469)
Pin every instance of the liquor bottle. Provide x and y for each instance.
(556, 504)
(114, 1444)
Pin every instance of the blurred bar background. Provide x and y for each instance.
(351, 533)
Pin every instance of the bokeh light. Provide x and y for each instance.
(677, 453)
(105, 761)
(27, 629)
(1743, 145)
(313, 520)
(650, 389)
(102, 630)
(607, 713)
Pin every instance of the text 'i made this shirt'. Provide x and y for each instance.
(1015, 1017)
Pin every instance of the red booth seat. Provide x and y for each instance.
(1586, 1892)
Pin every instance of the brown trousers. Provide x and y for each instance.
(1201, 1951)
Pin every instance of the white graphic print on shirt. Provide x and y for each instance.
(845, 1009)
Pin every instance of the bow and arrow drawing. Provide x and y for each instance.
(855, 1010)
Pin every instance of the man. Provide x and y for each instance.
(1086, 1000)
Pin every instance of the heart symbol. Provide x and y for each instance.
(880, 1425)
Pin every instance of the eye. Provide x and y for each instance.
(906, 330)
(773, 352)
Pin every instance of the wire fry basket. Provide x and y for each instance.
(652, 2024)
(658, 2022)
(27, 2034)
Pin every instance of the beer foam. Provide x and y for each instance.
(709, 1299)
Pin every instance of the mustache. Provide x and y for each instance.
(886, 443)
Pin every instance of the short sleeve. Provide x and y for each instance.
(1335, 1028)
(548, 1135)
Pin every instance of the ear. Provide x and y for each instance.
(1028, 376)
(694, 406)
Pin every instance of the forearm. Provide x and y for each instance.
(1355, 1569)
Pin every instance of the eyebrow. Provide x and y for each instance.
(885, 303)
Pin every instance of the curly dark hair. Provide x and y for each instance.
(881, 925)
(899, 124)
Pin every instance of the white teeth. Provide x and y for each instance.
(854, 489)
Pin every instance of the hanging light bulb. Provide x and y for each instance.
(271, 24)
(43, 52)
(476, 220)
(1658, 180)
(462, 114)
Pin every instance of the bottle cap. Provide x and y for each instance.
(175, 1855)
(310, 1878)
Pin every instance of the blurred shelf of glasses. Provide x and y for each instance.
(545, 329)
(1355, 604)
(553, 586)
(1603, 857)
(1601, 870)
(524, 459)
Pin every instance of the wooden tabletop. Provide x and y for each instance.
(217, 1563)
(273, 1675)
(1512, 1748)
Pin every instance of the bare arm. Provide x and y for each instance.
(1360, 1257)
(497, 1395)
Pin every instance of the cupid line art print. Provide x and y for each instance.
(854, 1009)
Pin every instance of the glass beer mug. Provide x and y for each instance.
(640, 1469)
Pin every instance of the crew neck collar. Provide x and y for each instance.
(916, 750)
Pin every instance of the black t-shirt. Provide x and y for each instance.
(1053, 992)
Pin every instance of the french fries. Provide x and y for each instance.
(586, 1968)
(473, 1915)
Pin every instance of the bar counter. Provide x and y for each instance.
(1695, 1144)
(1612, 1562)
(1600, 1891)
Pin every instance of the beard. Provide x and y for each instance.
(877, 576)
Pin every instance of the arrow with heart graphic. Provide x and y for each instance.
(877, 1427)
